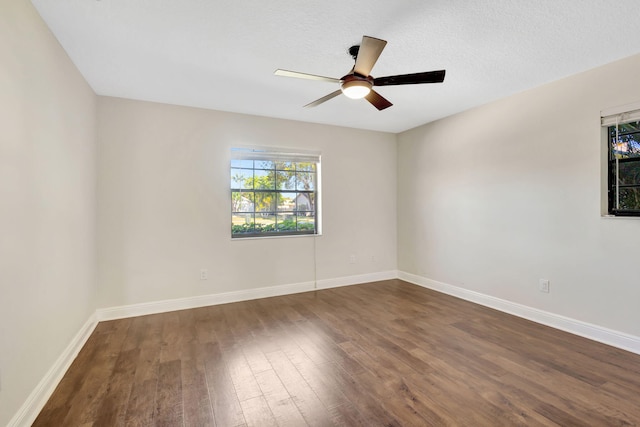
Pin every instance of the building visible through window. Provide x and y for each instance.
(274, 193)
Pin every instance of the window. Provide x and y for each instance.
(274, 193)
(623, 146)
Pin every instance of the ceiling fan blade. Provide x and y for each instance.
(324, 99)
(287, 73)
(411, 79)
(378, 100)
(368, 54)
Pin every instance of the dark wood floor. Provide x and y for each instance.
(380, 354)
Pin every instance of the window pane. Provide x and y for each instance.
(286, 180)
(286, 222)
(265, 202)
(242, 223)
(265, 164)
(626, 147)
(629, 173)
(265, 222)
(286, 201)
(308, 167)
(242, 201)
(263, 180)
(285, 166)
(248, 164)
(305, 223)
(627, 144)
(629, 199)
(306, 181)
(304, 202)
(241, 179)
(628, 127)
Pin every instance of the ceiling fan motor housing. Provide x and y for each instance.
(356, 86)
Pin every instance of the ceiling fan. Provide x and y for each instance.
(358, 83)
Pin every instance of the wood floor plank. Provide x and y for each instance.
(379, 354)
(224, 400)
(315, 376)
(114, 403)
(86, 402)
(242, 377)
(69, 387)
(141, 405)
(608, 405)
(169, 410)
(363, 400)
(257, 412)
(304, 397)
(346, 415)
(513, 412)
(279, 400)
(254, 354)
(195, 394)
(172, 338)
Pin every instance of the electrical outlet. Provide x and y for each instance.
(543, 285)
(204, 274)
(352, 259)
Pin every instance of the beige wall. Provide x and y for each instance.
(164, 203)
(495, 198)
(47, 202)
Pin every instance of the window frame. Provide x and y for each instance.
(284, 163)
(611, 119)
(612, 188)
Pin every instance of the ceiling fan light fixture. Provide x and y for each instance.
(356, 89)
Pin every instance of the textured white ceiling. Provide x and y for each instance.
(222, 54)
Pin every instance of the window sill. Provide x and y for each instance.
(619, 217)
(288, 236)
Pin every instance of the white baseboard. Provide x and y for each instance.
(357, 279)
(30, 409)
(154, 307)
(587, 330)
(164, 306)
